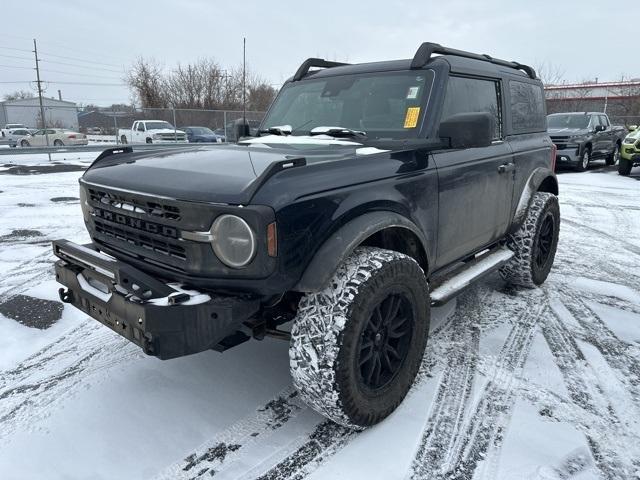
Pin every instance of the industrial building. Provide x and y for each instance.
(58, 113)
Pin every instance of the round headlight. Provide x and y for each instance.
(233, 241)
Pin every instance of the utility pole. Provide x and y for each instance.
(44, 125)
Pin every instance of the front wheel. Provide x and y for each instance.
(534, 244)
(624, 166)
(357, 345)
(24, 143)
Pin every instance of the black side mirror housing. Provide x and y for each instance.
(600, 128)
(468, 130)
(242, 129)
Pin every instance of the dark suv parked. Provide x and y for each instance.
(372, 192)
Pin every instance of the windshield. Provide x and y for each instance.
(384, 105)
(158, 125)
(568, 121)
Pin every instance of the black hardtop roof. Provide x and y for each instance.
(458, 60)
(457, 64)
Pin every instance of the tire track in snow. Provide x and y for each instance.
(610, 452)
(29, 391)
(485, 431)
(290, 460)
(453, 393)
(629, 247)
(622, 356)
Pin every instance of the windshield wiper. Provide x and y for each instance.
(337, 132)
(278, 130)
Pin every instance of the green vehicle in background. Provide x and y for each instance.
(630, 151)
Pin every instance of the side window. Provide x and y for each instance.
(141, 127)
(593, 122)
(604, 121)
(527, 107)
(471, 95)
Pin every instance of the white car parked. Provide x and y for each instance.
(58, 137)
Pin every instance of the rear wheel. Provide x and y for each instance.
(357, 345)
(624, 166)
(534, 243)
(58, 143)
(614, 157)
(123, 139)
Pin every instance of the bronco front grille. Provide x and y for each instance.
(130, 204)
(150, 243)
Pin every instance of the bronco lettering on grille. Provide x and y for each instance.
(136, 223)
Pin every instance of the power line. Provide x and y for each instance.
(13, 56)
(81, 66)
(81, 60)
(15, 66)
(79, 74)
(16, 49)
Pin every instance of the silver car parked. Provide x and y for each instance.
(57, 137)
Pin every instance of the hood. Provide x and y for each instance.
(567, 131)
(216, 174)
(164, 130)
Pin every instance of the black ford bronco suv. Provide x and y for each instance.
(371, 193)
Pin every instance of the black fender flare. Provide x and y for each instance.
(539, 176)
(344, 241)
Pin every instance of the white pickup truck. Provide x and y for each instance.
(4, 132)
(151, 131)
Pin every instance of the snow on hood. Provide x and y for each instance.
(325, 140)
(164, 130)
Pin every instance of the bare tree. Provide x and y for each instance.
(201, 85)
(18, 95)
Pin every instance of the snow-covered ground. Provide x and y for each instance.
(515, 384)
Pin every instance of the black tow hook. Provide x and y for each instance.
(65, 295)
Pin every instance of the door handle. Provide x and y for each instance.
(506, 167)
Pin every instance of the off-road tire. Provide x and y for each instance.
(329, 330)
(585, 160)
(624, 166)
(613, 157)
(523, 269)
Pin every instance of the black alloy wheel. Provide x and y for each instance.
(385, 341)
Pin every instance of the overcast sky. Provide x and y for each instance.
(580, 39)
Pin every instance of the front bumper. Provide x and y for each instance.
(630, 152)
(569, 155)
(163, 319)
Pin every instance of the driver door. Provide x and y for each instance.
(475, 184)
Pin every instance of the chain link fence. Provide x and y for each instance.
(106, 125)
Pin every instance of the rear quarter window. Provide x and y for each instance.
(527, 107)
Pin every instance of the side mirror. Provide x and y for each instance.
(242, 129)
(631, 128)
(600, 128)
(468, 130)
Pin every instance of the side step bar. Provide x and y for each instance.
(468, 273)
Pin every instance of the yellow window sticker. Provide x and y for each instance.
(411, 119)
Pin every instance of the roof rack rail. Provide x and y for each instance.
(314, 62)
(427, 49)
